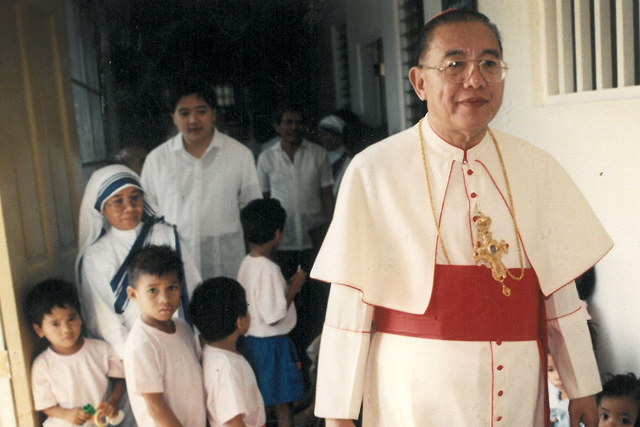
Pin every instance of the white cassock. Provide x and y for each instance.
(381, 251)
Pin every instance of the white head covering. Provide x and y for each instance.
(103, 184)
(332, 124)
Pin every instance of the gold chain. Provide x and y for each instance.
(511, 206)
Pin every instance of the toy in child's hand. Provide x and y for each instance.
(98, 418)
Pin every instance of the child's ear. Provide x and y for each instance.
(131, 293)
(38, 330)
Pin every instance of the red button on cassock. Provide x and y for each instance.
(469, 172)
(500, 393)
(500, 367)
(473, 195)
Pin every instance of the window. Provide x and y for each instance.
(341, 66)
(411, 23)
(85, 82)
(592, 46)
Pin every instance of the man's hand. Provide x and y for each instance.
(583, 410)
(332, 422)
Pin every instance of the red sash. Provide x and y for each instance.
(468, 305)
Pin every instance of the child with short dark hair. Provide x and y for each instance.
(619, 401)
(267, 345)
(219, 310)
(73, 370)
(162, 370)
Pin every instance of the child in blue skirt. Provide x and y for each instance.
(267, 345)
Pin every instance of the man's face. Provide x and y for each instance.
(194, 119)
(468, 107)
(291, 128)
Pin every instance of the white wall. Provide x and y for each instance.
(598, 142)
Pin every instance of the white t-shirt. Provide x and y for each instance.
(231, 388)
(266, 289)
(72, 381)
(203, 197)
(101, 262)
(297, 186)
(159, 362)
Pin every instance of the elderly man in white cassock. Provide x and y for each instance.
(452, 256)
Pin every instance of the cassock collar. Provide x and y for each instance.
(442, 147)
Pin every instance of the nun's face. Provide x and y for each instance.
(123, 210)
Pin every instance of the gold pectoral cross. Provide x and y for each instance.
(490, 251)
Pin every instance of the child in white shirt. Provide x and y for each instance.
(219, 310)
(73, 370)
(161, 364)
(267, 345)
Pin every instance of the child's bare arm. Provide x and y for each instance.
(160, 411)
(235, 422)
(75, 416)
(295, 284)
(111, 407)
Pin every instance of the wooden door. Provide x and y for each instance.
(40, 179)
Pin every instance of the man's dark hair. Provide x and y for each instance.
(452, 16)
(278, 113)
(155, 261)
(202, 89)
(215, 307)
(622, 385)
(47, 295)
(261, 218)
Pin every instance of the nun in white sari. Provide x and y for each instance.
(115, 219)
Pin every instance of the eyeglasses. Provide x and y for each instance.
(118, 205)
(459, 71)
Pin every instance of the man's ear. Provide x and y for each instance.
(131, 293)
(38, 330)
(416, 77)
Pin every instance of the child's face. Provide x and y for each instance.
(62, 329)
(554, 377)
(158, 298)
(618, 411)
(123, 210)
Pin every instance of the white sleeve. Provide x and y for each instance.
(343, 354)
(250, 187)
(326, 175)
(269, 296)
(192, 275)
(43, 396)
(149, 179)
(98, 312)
(570, 343)
(143, 368)
(225, 398)
(263, 173)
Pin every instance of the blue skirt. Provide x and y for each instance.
(275, 363)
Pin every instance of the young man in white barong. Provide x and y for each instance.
(452, 255)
